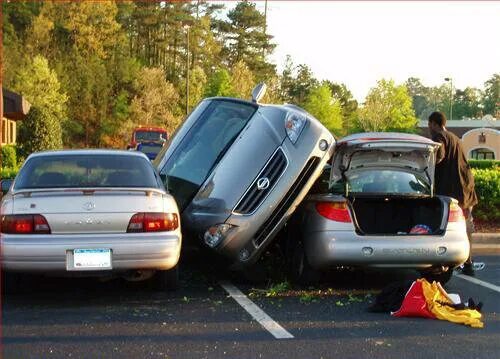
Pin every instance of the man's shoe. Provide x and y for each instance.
(467, 269)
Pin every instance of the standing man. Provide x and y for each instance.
(453, 176)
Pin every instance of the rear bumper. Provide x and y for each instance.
(49, 253)
(330, 248)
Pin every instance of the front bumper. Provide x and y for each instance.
(49, 253)
(330, 248)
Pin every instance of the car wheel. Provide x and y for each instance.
(300, 270)
(167, 279)
(442, 275)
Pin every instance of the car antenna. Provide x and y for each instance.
(258, 92)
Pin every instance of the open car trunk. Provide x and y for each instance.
(383, 215)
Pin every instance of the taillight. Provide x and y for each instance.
(455, 213)
(25, 224)
(336, 211)
(153, 222)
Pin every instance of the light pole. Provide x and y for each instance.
(187, 69)
(451, 95)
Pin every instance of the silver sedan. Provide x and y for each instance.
(90, 213)
(379, 210)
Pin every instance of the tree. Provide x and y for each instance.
(388, 107)
(219, 84)
(244, 39)
(156, 100)
(39, 131)
(325, 108)
(491, 100)
(296, 82)
(347, 102)
(41, 87)
(421, 97)
(466, 103)
(242, 80)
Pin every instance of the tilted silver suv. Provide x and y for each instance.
(238, 169)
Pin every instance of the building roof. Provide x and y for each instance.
(15, 107)
(470, 124)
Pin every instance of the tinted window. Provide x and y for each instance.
(387, 182)
(72, 171)
(204, 146)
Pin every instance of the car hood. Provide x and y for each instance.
(408, 152)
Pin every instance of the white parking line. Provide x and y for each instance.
(258, 314)
(479, 282)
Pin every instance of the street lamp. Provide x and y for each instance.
(187, 26)
(451, 95)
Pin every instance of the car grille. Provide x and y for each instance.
(254, 196)
(287, 201)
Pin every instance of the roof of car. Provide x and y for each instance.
(87, 152)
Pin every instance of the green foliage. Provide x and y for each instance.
(348, 104)
(388, 107)
(9, 156)
(321, 105)
(242, 80)
(40, 131)
(487, 184)
(156, 100)
(219, 84)
(491, 100)
(41, 87)
(245, 39)
(6, 172)
(484, 164)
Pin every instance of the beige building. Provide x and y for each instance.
(480, 138)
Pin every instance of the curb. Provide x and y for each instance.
(490, 238)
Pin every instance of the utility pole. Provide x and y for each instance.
(451, 95)
(187, 71)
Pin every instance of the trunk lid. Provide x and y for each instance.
(76, 213)
(390, 151)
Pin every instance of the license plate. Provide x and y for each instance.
(99, 258)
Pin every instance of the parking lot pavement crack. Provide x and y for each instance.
(256, 312)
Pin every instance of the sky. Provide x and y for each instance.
(360, 42)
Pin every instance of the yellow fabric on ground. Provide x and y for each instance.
(434, 294)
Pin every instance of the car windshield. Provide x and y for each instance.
(148, 136)
(74, 171)
(384, 181)
(204, 146)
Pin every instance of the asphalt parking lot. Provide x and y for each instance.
(216, 314)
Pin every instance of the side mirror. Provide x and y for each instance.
(258, 92)
(5, 184)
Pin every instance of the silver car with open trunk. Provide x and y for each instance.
(379, 210)
(90, 213)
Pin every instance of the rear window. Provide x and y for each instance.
(73, 171)
(384, 182)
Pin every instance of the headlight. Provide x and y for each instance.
(215, 234)
(294, 124)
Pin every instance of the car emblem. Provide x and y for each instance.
(89, 206)
(263, 183)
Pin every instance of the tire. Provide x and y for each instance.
(299, 269)
(167, 280)
(441, 276)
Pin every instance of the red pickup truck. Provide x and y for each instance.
(147, 134)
